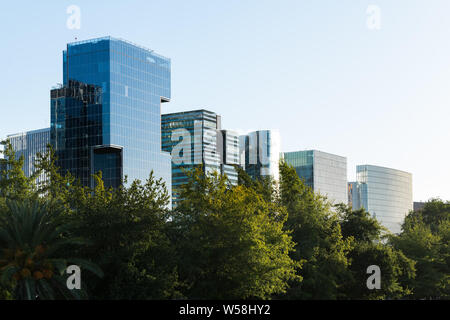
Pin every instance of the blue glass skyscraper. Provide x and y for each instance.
(196, 131)
(119, 132)
(195, 139)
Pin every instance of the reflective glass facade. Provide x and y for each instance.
(191, 137)
(303, 162)
(28, 144)
(133, 81)
(260, 153)
(229, 148)
(325, 173)
(354, 196)
(77, 126)
(385, 193)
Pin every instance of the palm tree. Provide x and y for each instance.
(33, 243)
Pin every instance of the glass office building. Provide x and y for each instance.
(354, 196)
(325, 173)
(107, 114)
(77, 117)
(228, 146)
(29, 144)
(195, 139)
(384, 192)
(260, 153)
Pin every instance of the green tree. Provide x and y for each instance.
(359, 224)
(33, 257)
(370, 249)
(317, 233)
(444, 255)
(127, 227)
(5, 291)
(230, 241)
(395, 269)
(14, 184)
(432, 214)
(425, 239)
(59, 187)
(264, 186)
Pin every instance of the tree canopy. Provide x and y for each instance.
(260, 239)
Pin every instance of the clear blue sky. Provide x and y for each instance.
(311, 68)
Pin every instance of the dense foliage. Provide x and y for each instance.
(256, 240)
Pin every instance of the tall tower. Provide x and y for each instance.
(191, 137)
(107, 114)
(324, 172)
(260, 153)
(386, 193)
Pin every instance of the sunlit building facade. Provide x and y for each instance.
(385, 193)
(29, 144)
(106, 116)
(324, 172)
(195, 139)
(260, 153)
(228, 146)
